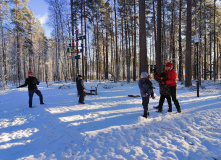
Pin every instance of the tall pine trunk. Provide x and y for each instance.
(135, 42)
(117, 65)
(142, 37)
(158, 48)
(188, 64)
(180, 44)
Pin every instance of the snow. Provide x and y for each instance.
(110, 125)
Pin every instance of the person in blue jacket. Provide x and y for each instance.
(146, 90)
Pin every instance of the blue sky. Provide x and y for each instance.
(40, 10)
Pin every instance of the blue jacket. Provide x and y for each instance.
(146, 87)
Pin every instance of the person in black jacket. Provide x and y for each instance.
(32, 83)
(81, 89)
(164, 91)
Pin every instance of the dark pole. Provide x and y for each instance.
(197, 44)
(197, 61)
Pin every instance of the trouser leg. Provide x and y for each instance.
(30, 94)
(162, 98)
(169, 102)
(145, 105)
(38, 92)
(174, 98)
(81, 98)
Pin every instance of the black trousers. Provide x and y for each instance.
(162, 98)
(31, 93)
(145, 102)
(81, 97)
(174, 98)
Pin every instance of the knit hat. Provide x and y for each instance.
(144, 74)
(169, 64)
(79, 75)
(30, 72)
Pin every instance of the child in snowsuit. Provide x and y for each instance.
(164, 91)
(81, 89)
(146, 90)
(32, 83)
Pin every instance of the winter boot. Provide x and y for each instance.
(146, 115)
(156, 107)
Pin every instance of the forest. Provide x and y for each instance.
(110, 39)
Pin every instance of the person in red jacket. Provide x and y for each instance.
(171, 76)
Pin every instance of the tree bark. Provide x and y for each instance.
(142, 37)
(158, 48)
(117, 67)
(135, 42)
(188, 64)
(180, 44)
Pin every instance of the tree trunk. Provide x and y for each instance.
(173, 38)
(85, 41)
(117, 67)
(205, 39)
(158, 48)
(214, 61)
(106, 67)
(72, 30)
(154, 25)
(135, 42)
(188, 64)
(123, 49)
(200, 44)
(127, 51)
(180, 45)
(142, 37)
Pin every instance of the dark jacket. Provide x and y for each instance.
(80, 86)
(164, 88)
(32, 83)
(146, 87)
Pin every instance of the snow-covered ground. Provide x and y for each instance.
(110, 125)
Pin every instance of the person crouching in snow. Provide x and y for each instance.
(32, 83)
(164, 91)
(146, 90)
(81, 89)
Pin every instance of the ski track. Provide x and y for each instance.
(110, 125)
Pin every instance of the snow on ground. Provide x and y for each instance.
(110, 125)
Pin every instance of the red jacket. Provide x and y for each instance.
(172, 75)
